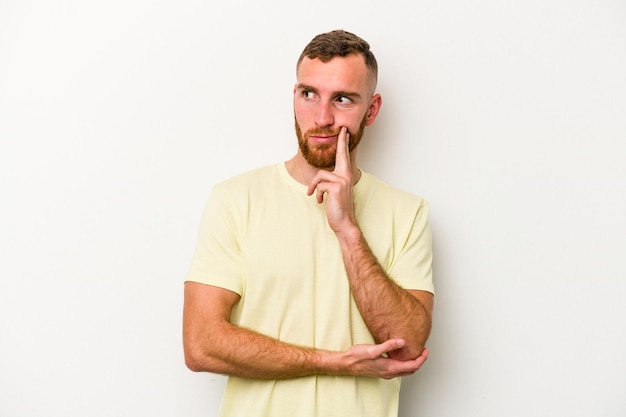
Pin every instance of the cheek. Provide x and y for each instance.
(354, 125)
(302, 113)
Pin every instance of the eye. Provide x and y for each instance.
(308, 94)
(344, 101)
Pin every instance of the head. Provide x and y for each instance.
(340, 43)
(336, 83)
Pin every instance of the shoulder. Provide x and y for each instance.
(375, 188)
(248, 180)
(234, 193)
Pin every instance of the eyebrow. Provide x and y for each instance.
(348, 94)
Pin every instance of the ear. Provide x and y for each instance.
(374, 108)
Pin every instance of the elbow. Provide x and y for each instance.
(198, 360)
(193, 360)
(193, 364)
(415, 343)
(202, 351)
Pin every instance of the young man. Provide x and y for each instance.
(311, 285)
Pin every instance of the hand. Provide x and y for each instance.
(368, 360)
(338, 185)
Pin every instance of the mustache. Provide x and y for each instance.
(322, 132)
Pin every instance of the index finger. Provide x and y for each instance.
(342, 157)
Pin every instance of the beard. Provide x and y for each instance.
(323, 156)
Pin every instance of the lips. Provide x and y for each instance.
(323, 139)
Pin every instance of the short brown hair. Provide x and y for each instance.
(327, 46)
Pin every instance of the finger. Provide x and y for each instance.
(317, 181)
(321, 178)
(320, 195)
(406, 368)
(419, 361)
(389, 346)
(342, 157)
(422, 357)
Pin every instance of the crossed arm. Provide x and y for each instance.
(399, 320)
(213, 344)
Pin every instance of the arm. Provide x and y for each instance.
(213, 344)
(389, 310)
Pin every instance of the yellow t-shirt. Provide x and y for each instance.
(262, 237)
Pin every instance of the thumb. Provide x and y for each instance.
(391, 345)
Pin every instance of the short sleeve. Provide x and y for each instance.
(413, 267)
(217, 259)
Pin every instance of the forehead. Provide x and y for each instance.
(339, 74)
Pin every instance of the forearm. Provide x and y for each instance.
(388, 310)
(243, 353)
(231, 350)
(213, 344)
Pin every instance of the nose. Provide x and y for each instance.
(324, 116)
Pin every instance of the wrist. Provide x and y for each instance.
(331, 363)
(349, 234)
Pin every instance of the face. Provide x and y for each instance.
(327, 97)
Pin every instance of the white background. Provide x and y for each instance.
(117, 117)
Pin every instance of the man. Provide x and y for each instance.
(311, 285)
